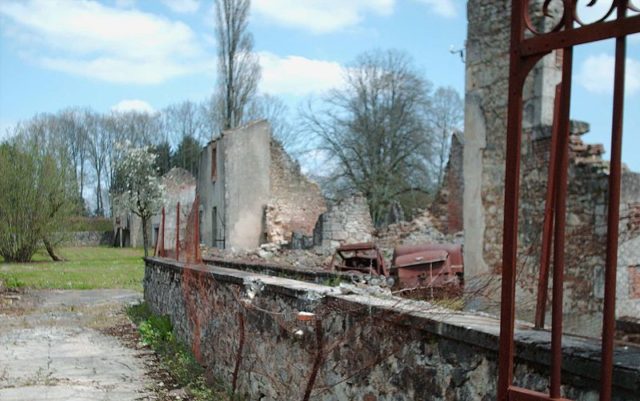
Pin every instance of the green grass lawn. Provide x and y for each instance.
(83, 268)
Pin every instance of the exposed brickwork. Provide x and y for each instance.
(634, 282)
(295, 203)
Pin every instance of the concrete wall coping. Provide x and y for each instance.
(273, 269)
(581, 359)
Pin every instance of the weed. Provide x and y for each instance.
(12, 282)
(157, 332)
(138, 312)
(333, 281)
(456, 304)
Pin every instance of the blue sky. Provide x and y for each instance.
(148, 54)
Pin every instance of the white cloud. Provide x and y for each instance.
(89, 39)
(182, 6)
(298, 76)
(321, 16)
(443, 8)
(133, 105)
(594, 13)
(326, 16)
(596, 74)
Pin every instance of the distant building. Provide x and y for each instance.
(251, 192)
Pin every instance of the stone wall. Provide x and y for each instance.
(448, 205)
(88, 238)
(295, 202)
(347, 221)
(352, 346)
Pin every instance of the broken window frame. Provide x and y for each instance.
(214, 162)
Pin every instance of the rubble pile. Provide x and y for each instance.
(421, 230)
(314, 259)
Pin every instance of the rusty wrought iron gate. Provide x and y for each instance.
(528, 46)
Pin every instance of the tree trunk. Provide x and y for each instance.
(145, 235)
(51, 251)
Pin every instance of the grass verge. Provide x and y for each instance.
(157, 333)
(83, 268)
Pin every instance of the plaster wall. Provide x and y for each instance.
(210, 190)
(247, 163)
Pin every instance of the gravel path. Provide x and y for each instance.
(54, 346)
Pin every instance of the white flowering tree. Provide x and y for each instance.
(140, 186)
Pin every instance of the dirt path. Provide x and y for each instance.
(54, 345)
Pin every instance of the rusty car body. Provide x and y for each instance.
(361, 258)
(429, 266)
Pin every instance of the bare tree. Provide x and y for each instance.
(446, 113)
(211, 117)
(238, 66)
(73, 131)
(100, 143)
(186, 119)
(273, 109)
(375, 130)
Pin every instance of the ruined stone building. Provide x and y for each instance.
(251, 192)
(487, 76)
(178, 185)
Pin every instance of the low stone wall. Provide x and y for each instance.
(88, 238)
(246, 328)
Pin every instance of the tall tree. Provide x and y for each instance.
(100, 144)
(445, 115)
(72, 130)
(375, 130)
(187, 156)
(238, 66)
(185, 119)
(162, 151)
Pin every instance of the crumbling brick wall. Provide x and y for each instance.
(347, 221)
(295, 202)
